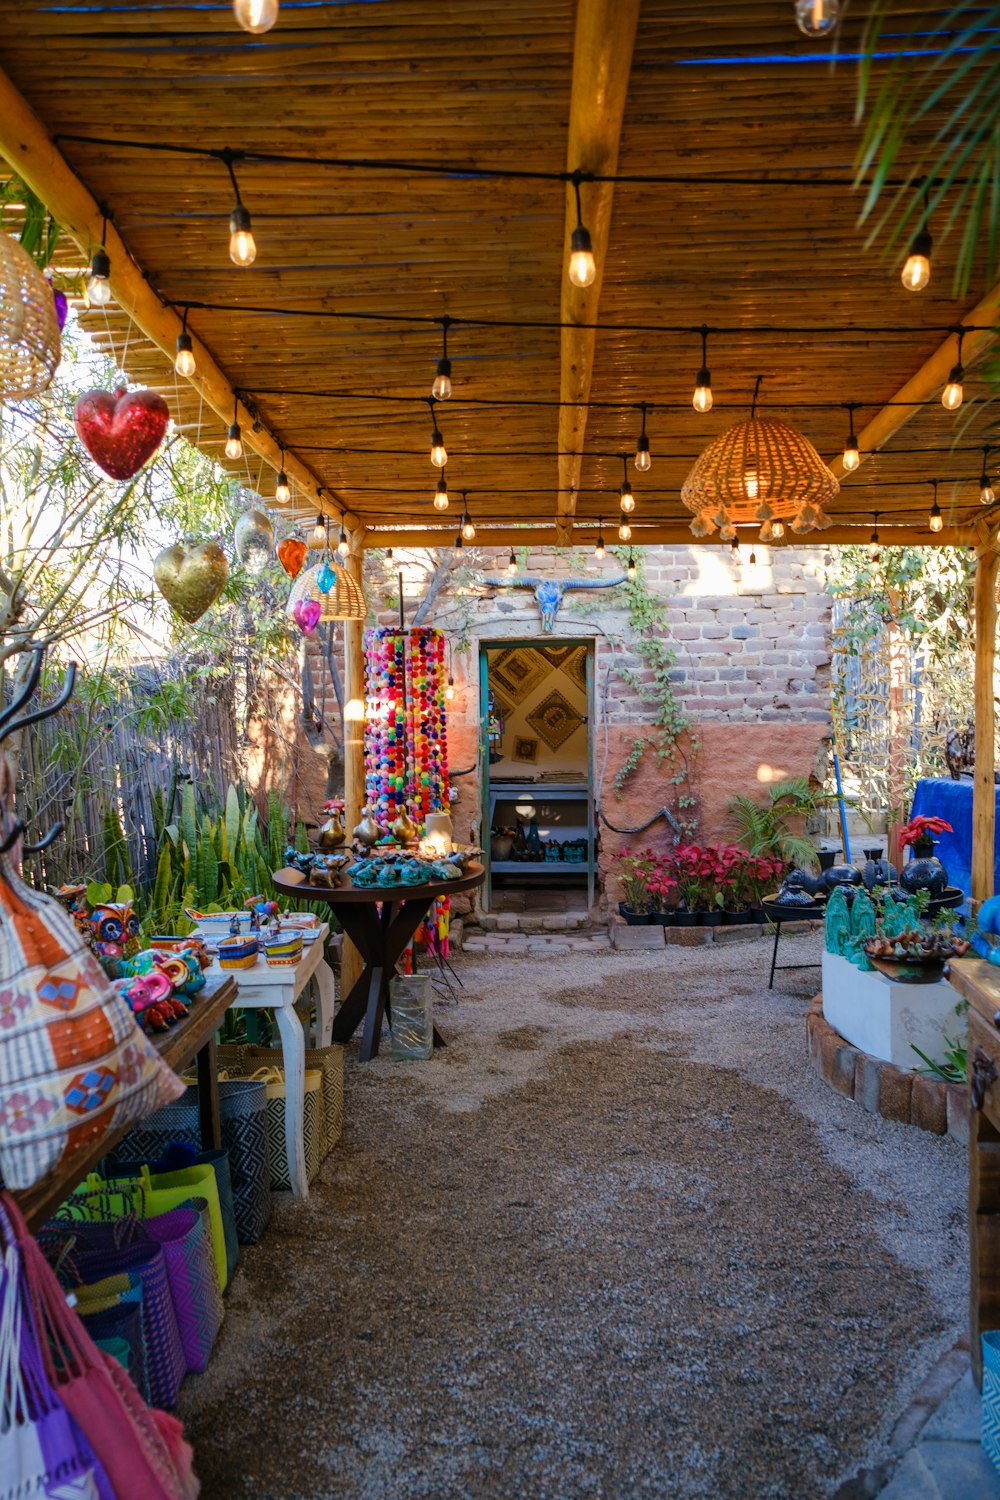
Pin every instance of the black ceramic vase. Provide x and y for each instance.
(924, 872)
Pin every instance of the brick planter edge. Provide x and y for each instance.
(882, 1088)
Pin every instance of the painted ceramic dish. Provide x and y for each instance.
(283, 952)
(238, 953)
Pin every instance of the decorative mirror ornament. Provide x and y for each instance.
(191, 577)
(121, 430)
(253, 536)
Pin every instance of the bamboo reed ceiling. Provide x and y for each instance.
(733, 90)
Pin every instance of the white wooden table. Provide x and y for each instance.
(277, 989)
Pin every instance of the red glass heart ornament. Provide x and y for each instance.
(121, 430)
(292, 554)
(306, 615)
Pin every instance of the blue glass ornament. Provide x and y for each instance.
(327, 578)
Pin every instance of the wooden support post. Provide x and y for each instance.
(351, 962)
(983, 789)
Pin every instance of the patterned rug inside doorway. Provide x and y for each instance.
(617, 1240)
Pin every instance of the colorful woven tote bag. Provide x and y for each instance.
(185, 1235)
(73, 1063)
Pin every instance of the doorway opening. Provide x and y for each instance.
(538, 802)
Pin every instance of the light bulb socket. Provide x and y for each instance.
(184, 345)
(233, 435)
(100, 264)
(642, 443)
(444, 367)
(922, 244)
(579, 241)
(239, 220)
(957, 375)
(704, 378)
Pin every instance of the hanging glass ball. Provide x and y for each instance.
(325, 579)
(817, 17)
(253, 536)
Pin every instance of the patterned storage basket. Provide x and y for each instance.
(327, 1060)
(277, 1149)
(991, 1395)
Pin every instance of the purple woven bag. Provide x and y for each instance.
(185, 1234)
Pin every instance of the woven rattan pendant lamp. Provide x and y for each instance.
(342, 601)
(29, 332)
(758, 470)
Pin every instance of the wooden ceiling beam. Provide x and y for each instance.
(602, 63)
(929, 379)
(27, 146)
(678, 535)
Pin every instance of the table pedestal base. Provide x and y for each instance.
(380, 938)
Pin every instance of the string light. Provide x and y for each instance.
(626, 497)
(582, 268)
(449, 691)
(987, 494)
(242, 245)
(256, 16)
(734, 549)
(282, 490)
(702, 398)
(343, 545)
(817, 18)
(468, 531)
(99, 292)
(439, 453)
(643, 461)
(852, 457)
(624, 532)
(441, 494)
(600, 550)
(457, 549)
(874, 549)
(387, 561)
(631, 570)
(234, 442)
(512, 563)
(777, 530)
(184, 360)
(441, 389)
(318, 535)
(951, 396)
(935, 520)
(916, 271)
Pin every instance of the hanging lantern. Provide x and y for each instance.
(342, 601)
(758, 470)
(29, 332)
(253, 536)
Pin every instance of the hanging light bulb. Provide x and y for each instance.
(777, 530)
(317, 537)
(387, 561)
(625, 496)
(702, 398)
(874, 549)
(916, 272)
(343, 545)
(441, 389)
(256, 16)
(512, 563)
(458, 546)
(951, 396)
(987, 494)
(631, 570)
(817, 18)
(582, 268)
(935, 520)
(282, 490)
(449, 691)
(441, 494)
(439, 453)
(624, 532)
(600, 550)
(468, 530)
(234, 442)
(734, 549)
(643, 461)
(852, 457)
(184, 361)
(242, 246)
(99, 292)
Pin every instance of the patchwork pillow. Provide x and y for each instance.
(73, 1063)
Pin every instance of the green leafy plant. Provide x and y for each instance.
(954, 1069)
(766, 827)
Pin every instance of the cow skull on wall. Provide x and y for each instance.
(549, 591)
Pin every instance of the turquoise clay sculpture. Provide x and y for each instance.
(837, 926)
(848, 927)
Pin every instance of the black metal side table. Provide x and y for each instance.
(778, 913)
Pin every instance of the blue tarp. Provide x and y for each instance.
(936, 797)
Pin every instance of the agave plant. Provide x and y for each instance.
(764, 828)
(936, 116)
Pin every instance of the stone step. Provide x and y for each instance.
(537, 922)
(536, 944)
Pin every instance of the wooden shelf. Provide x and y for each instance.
(538, 866)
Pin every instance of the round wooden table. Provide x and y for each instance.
(380, 936)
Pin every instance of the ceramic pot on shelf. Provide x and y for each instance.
(924, 872)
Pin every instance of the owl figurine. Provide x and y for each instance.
(115, 929)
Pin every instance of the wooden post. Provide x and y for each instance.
(898, 732)
(983, 789)
(351, 962)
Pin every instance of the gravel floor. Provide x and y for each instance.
(616, 1240)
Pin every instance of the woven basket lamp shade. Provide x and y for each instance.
(29, 333)
(343, 601)
(759, 470)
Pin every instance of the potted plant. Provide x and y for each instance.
(766, 827)
(923, 872)
(635, 871)
(681, 868)
(663, 890)
(711, 898)
(763, 873)
(734, 883)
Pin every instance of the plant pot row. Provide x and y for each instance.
(717, 918)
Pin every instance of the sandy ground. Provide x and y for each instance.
(616, 1240)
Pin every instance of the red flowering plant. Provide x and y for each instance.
(921, 830)
(636, 872)
(663, 890)
(763, 874)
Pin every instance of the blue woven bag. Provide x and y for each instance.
(991, 1395)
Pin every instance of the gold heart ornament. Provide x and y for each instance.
(191, 578)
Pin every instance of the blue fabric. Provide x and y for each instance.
(936, 797)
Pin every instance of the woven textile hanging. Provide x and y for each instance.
(29, 332)
(758, 470)
(344, 599)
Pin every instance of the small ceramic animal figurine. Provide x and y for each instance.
(115, 929)
(74, 899)
(403, 828)
(332, 833)
(368, 831)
